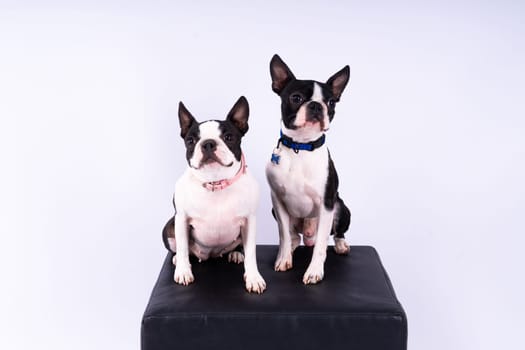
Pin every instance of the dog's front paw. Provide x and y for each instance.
(254, 282)
(183, 274)
(341, 247)
(283, 262)
(235, 257)
(313, 274)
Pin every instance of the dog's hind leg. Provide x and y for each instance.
(168, 237)
(340, 226)
(236, 256)
(296, 227)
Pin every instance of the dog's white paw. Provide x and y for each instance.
(183, 274)
(341, 247)
(236, 257)
(314, 274)
(254, 282)
(283, 262)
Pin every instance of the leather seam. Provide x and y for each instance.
(273, 315)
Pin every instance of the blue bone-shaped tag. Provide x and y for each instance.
(275, 158)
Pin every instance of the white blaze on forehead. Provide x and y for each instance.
(209, 130)
(317, 96)
(313, 132)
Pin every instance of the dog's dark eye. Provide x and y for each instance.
(331, 103)
(228, 137)
(190, 140)
(296, 99)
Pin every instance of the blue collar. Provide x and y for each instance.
(297, 146)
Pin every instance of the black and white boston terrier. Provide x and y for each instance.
(216, 197)
(301, 174)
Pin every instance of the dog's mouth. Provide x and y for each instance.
(211, 158)
(314, 124)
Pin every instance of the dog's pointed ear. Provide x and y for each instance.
(239, 113)
(186, 120)
(338, 81)
(281, 74)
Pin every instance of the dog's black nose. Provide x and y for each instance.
(315, 107)
(208, 146)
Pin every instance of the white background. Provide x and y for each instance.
(428, 140)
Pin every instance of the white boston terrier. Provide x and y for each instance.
(301, 173)
(216, 198)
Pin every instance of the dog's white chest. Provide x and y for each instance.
(215, 218)
(215, 229)
(299, 180)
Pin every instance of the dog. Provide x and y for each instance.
(216, 198)
(301, 173)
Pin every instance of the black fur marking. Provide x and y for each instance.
(330, 99)
(289, 106)
(332, 201)
(231, 136)
(169, 225)
(332, 184)
(166, 232)
(343, 219)
(191, 139)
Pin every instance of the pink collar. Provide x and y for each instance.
(222, 184)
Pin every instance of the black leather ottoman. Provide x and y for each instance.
(354, 307)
